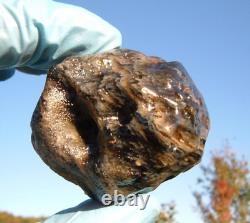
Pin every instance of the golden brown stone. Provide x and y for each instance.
(119, 121)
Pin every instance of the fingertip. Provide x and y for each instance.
(117, 38)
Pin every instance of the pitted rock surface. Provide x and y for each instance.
(119, 121)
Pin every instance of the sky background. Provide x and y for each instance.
(210, 38)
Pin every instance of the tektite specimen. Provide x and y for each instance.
(119, 121)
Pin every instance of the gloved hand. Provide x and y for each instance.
(35, 34)
(92, 212)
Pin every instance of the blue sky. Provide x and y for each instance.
(210, 38)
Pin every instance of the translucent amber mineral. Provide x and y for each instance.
(119, 120)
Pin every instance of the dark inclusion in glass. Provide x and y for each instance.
(119, 121)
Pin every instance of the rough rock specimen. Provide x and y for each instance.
(119, 121)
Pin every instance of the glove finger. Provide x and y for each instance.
(91, 212)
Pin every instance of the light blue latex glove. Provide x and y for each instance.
(35, 34)
(92, 212)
